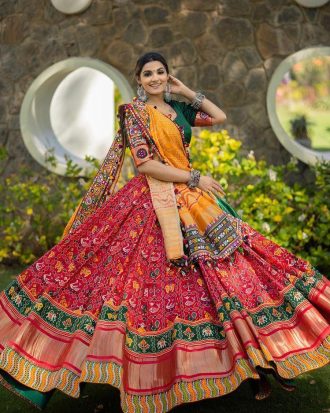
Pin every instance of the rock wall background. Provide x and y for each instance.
(227, 48)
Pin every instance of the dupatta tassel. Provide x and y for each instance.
(164, 203)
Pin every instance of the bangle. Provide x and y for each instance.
(197, 102)
(194, 178)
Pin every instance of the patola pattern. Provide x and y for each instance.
(105, 306)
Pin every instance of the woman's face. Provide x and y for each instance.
(153, 78)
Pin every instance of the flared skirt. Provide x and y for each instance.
(104, 305)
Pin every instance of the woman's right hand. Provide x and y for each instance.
(208, 184)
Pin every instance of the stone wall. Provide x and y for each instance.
(227, 48)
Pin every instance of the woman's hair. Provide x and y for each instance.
(149, 57)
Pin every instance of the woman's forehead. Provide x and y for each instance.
(155, 65)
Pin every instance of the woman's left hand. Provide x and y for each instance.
(176, 86)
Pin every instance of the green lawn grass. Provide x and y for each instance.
(311, 396)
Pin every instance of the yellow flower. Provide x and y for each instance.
(3, 253)
(204, 134)
(29, 211)
(233, 144)
(277, 218)
(225, 156)
(250, 187)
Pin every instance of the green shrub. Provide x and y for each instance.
(34, 210)
(294, 216)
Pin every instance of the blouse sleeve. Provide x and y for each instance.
(136, 138)
(195, 117)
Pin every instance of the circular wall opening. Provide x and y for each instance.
(71, 7)
(69, 112)
(298, 104)
(312, 3)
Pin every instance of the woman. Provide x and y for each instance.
(160, 289)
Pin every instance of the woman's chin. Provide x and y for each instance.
(155, 92)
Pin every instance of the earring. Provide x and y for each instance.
(167, 94)
(142, 95)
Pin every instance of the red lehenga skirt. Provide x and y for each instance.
(105, 306)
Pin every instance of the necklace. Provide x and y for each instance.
(169, 115)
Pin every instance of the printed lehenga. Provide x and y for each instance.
(159, 290)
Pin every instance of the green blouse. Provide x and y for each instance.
(185, 118)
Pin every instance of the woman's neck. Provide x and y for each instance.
(155, 100)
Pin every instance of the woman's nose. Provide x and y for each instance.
(154, 76)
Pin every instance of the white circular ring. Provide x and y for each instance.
(35, 122)
(312, 3)
(71, 6)
(305, 154)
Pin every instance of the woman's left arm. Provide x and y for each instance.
(217, 115)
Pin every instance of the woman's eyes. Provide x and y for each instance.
(149, 73)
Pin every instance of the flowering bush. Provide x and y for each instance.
(294, 216)
(34, 211)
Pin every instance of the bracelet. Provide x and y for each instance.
(194, 178)
(197, 102)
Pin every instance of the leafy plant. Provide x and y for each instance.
(294, 216)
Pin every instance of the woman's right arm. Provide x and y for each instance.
(163, 172)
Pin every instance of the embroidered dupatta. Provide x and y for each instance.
(133, 127)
